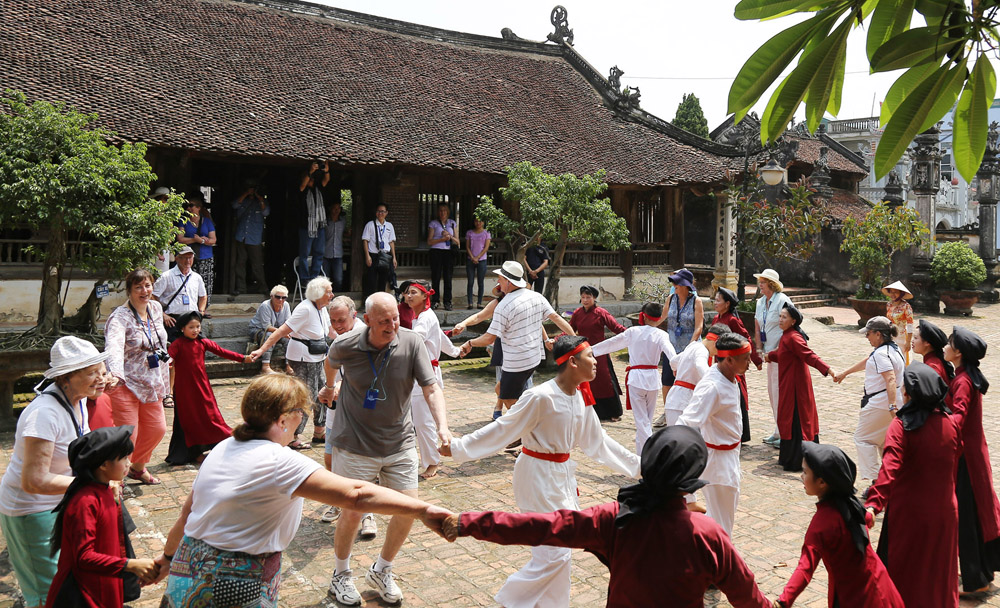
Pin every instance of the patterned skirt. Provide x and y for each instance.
(203, 576)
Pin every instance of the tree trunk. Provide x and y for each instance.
(552, 285)
(50, 311)
(85, 319)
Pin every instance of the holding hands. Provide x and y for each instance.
(466, 348)
(147, 570)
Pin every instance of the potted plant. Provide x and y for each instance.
(957, 270)
(871, 243)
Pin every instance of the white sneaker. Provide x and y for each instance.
(369, 529)
(385, 584)
(661, 421)
(343, 589)
(331, 515)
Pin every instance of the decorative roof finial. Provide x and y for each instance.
(615, 79)
(562, 33)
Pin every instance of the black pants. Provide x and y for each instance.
(255, 254)
(375, 279)
(442, 266)
(610, 407)
(977, 559)
(790, 453)
(538, 284)
(179, 451)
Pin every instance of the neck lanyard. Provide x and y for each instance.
(681, 308)
(146, 330)
(378, 372)
(381, 235)
(64, 402)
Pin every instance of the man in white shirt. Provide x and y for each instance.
(379, 239)
(715, 411)
(516, 321)
(180, 290)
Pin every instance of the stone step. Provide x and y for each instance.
(226, 326)
(813, 295)
(236, 344)
(815, 303)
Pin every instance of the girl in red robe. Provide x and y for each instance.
(929, 341)
(725, 307)
(198, 423)
(978, 507)
(916, 490)
(590, 322)
(838, 535)
(798, 420)
(89, 529)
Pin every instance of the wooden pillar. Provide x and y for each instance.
(365, 196)
(619, 204)
(726, 273)
(674, 199)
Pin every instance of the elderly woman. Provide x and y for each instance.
(308, 328)
(246, 504)
(271, 314)
(798, 420)
(725, 308)
(136, 343)
(685, 320)
(590, 321)
(39, 470)
(883, 393)
(767, 335)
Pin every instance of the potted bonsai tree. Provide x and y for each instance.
(872, 242)
(957, 270)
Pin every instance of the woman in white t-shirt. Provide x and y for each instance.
(883, 393)
(308, 328)
(246, 504)
(39, 471)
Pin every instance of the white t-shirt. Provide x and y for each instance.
(375, 233)
(517, 321)
(44, 419)
(242, 498)
(309, 323)
(880, 361)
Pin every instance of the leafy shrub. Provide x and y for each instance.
(956, 266)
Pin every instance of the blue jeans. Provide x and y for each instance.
(311, 247)
(475, 271)
(334, 268)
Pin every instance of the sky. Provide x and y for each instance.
(667, 48)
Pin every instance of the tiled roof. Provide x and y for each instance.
(282, 81)
(808, 152)
(844, 204)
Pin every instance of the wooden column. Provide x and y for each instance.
(619, 204)
(674, 199)
(365, 194)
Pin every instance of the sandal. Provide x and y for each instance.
(168, 401)
(320, 439)
(143, 476)
(298, 445)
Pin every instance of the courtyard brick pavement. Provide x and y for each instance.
(772, 518)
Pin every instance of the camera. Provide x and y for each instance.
(153, 360)
(161, 354)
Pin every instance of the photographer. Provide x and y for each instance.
(251, 209)
(136, 343)
(312, 220)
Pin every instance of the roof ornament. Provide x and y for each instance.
(615, 79)
(628, 100)
(562, 33)
(508, 34)
(820, 178)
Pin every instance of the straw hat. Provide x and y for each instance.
(898, 285)
(70, 354)
(771, 275)
(513, 272)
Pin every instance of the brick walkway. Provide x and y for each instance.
(772, 518)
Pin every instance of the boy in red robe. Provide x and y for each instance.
(89, 528)
(838, 535)
(629, 536)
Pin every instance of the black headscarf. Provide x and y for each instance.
(973, 349)
(590, 289)
(937, 339)
(833, 466)
(86, 454)
(796, 316)
(672, 460)
(729, 296)
(926, 390)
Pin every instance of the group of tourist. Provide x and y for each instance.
(374, 393)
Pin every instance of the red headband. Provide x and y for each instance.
(578, 349)
(734, 352)
(643, 317)
(712, 337)
(428, 292)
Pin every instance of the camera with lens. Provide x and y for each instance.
(153, 360)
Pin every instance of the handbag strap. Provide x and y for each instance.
(174, 297)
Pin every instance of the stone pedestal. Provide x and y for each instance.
(925, 183)
(726, 273)
(988, 177)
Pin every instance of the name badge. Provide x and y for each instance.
(763, 336)
(152, 361)
(678, 331)
(185, 300)
(371, 396)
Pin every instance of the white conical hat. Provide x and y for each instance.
(898, 285)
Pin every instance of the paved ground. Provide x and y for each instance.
(772, 519)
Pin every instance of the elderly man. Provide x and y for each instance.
(271, 314)
(516, 321)
(373, 434)
(180, 290)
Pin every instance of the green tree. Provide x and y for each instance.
(556, 208)
(690, 117)
(59, 173)
(874, 240)
(946, 60)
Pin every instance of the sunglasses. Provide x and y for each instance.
(280, 297)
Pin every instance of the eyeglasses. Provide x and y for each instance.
(280, 297)
(382, 211)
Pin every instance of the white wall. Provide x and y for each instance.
(19, 299)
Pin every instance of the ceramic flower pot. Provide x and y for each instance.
(867, 309)
(958, 303)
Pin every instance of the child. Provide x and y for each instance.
(916, 490)
(198, 423)
(630, 536)
(645, 342)
(551, 419)
(689, 367)
(838, 535)
(715, 410)
(89, 528)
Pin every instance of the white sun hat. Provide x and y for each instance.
(513, 272)
(771, 275)
(898, 285)
(70, 354)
